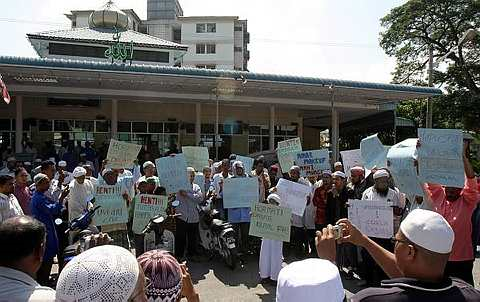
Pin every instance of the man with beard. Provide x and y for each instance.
(380, 191)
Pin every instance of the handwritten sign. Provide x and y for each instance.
(172, 172)
(293, 195)
(401, 163)
(350, 159)
(270, 222)
(196, 157)
(121, 154)
(240, 192)
(247, 163)
(440, 157)
(373, 218)
(113, 208)
(312, 162)
(286, 151)
(146, 207)
(374, 154)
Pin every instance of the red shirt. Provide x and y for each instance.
(320, 202)
(459, 215)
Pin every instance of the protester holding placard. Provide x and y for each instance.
(218, 185)
(457, 206)
(263, 179)
(207, 187)
(149, 170)
(323, 186)
(187, 222)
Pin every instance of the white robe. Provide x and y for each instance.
(271, 259)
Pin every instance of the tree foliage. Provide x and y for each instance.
(410, 30)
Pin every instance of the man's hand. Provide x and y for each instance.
(351, 233)
(325, 242)
(188, 291)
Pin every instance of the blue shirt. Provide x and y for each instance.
(45, 210)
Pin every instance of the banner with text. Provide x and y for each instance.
(146, 207)
(293, 195)
(121, 154)
(350, 159)
(240, 192)
(401, 163)
(374, 154)
(196, 157)
(440, 157)
(312, 162)
(270, 222)
(286, 151)
(172, 171)
(113, 208)
(374, 218)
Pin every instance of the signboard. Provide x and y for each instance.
(350, 159)
(196, 157)
(172, 172)
(286, 151)
(293, 195)
(146, 207)
(121, 154)
(270, 222)
(113, 208)
(247, 163)
(374, 154)
(440, 157)
(312, 162)
(401, 163)
(373, 218)
(240, 192)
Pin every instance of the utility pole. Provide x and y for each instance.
(430, 84)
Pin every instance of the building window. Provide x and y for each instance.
(205, 48)
(206, 28)
(238, 28)
(238, 49)
(209, 66)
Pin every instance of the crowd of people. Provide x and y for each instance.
(430, 256)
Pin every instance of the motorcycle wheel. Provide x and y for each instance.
(230, 257)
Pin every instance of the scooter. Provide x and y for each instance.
(216, 236)
(157, 237)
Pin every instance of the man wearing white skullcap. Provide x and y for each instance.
(62, 169)
(422, 247)
(381, 191)
(104, 273)
(310, 280)
(338, 166)
(81, 190)
(149, 170)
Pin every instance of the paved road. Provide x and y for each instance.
(215, 282)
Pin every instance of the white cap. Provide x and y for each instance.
(339, 174)
(103, 273)
(62, 163)
(237, 164)
(38, 160)
(216, 164)
(148, 164)
(39, 177)
(357, 168)
(380, 173)
(429, 230)
(79, 171)
(52, 159)
(327, 172)
(27, 163)
(105, 171)
(310, 280)
(11, 158)
(337, 164)
(274, 197)
(190, 169)
(295, 168)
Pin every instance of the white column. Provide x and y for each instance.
(19, 124)
(334, 135)
(272, 128)
(114, 119)
(198, 123)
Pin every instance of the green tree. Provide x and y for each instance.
(410, 30)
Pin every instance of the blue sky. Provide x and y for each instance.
(323, 38)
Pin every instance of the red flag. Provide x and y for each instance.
(3, 89)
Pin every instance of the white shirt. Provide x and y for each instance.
(77, 198)
(217, 179)
(68, 177)
(15, 285)
(9, 207)
(393, 198)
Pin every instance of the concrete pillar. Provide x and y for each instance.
(272, 128)
(335, 132)
(114, 120)
(198, 123)
(19, 124)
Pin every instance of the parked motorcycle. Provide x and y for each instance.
(157, 237)
(216, 236)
